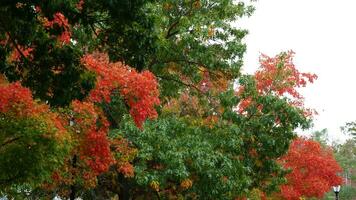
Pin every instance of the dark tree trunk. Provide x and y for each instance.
(72, 187)
(124, 188)
(72, 192)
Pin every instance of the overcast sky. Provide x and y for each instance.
(323, 35)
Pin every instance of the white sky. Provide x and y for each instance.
(323, 35)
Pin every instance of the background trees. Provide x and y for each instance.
(345, 155)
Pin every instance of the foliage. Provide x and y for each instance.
(195, 37)
(36, 50)
(345, 154)
(279, 76)
(313, 170)
(33, 139)
(185, 153)
(350, 129)
(178, 158)
(320, 136)
(89, 127)
(91, 153)
(138, 89)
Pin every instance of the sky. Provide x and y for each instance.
(322, 33)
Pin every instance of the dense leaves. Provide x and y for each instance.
(202, 139)
(177, 158)
(314, 170)
(279, 76)
(37, 51)
(92, 153)
(139, 90)
(33, 139)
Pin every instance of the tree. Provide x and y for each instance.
(320, 136)
(47, 59)
(87, 121)
(314, 170)
(345, 154)
(186, 147)
(350, 129)
(33, 140)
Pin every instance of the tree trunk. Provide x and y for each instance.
(72, 187)
(124, 188)
(72, 192)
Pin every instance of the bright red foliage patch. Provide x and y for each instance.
(140, 90)
(17, 101)
(278, 75)
(314, 170)
(94, 145)
(15, 98)
(93, 151)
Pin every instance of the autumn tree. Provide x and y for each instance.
(314, 170)
(48, 59)
(186, 147)
(33, 139)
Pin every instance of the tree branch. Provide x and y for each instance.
(10, 141)
(174, 24)
(93, 29)
(13, 41)
(180, 82)
(190, 62)
(171, 27)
